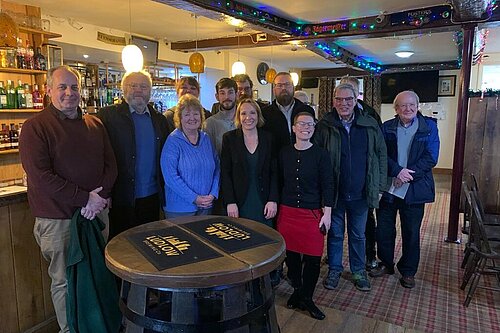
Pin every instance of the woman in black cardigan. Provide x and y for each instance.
(248, 170)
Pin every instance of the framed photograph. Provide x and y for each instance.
(446, 85)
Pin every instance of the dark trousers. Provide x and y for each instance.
(411, 220)
(122, 218)
(303, 272)
(370, 235)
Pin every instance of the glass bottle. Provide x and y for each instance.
(21, 54)
(3, 58)
(11, 59)
(29, 96)
(37, 98)
(29, 57)
(13, 137)
(4, 138)
(21, 95)
(11, 95)
(3, 96)
(40, 62)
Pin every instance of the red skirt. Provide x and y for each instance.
(300, 229)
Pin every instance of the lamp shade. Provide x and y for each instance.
(8, 32)
(295, 78)
(270, 75)
(132, 58)
(197, 63)
(238, 68)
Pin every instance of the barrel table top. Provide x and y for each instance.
(126, 262)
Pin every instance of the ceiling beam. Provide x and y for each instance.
(332, 72)
(232, 42)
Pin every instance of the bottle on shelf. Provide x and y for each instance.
(21, 95)
(3, 58)
(4, 138)
(3, 96)
(37, 98)
(29, 97)
(11, 59)
(11, 95)
(39, 60)
(21, 54)
(13, 137)
(30, 55)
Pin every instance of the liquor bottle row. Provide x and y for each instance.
(20, 96)
(9, 137)
(23, 57)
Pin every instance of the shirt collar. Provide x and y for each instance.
(132, 110)
(285, 108)
(61, 115)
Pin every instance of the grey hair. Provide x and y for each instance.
(50, 74)
(345, 86)
(354, 82)
(142, 72)
(411, 92)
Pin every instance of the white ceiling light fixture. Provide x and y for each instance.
(132, 58)
(238, 66)
(404, 54)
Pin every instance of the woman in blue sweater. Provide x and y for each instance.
(189, 163)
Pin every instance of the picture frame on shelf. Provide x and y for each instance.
(446, 85)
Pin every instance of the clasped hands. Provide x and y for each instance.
(404, 176)
(204, 201)
(95, 204)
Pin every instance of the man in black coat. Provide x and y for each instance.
(280, 113)
(137, 133)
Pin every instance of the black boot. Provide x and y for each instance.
(314, 311)
(294, 300)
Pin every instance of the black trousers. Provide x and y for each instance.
(122, 218)
(370, 235)
(303, 272)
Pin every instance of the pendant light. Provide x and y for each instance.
(132, 58)
(295, 78)
(238, 66)
(8, 32)
(196, 60)
(271, 72)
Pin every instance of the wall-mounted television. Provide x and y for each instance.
(149, 49)
(424, 83)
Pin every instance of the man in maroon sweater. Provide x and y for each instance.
(70, 164)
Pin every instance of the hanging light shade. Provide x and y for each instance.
(8, 32)
(132, 58)
(197, 63)
(295, 78)
(270, 75)
(238, 68)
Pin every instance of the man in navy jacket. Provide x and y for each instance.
(412, 151)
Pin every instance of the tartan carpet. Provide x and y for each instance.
(435, 304)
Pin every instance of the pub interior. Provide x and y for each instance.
(448, 52)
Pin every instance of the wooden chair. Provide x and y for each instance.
(487, 218)
(483, 255)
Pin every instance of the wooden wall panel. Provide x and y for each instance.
(8, 310)
(30, 303)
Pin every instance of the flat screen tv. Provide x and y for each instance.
(424, 83)
(149, 49)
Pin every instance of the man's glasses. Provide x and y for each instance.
(407, 105)
(344, 99)
(138, 86)
(305, 124)
(283, 85)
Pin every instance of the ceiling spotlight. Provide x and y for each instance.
(404, 54)
(85, 56)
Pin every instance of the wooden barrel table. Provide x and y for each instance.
(230, 292)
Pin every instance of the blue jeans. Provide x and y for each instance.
(411, 220)
(357, 212)
(171, 215)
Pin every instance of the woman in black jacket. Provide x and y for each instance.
(248, 170)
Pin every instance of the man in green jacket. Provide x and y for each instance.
(359, 160)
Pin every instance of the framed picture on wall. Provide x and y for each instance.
(446, 85)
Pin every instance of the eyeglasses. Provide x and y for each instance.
(283, 85)
(406, 106)
(345, 99)
(138, 86)
(304, 124)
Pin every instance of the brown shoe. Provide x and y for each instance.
(407, 281)
(381, 270)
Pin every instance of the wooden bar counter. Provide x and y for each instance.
(236, 282)
(25, 302)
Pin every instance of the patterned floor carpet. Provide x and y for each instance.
(435, 304)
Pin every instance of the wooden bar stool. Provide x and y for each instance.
(231, 293)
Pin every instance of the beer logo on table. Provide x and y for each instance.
(171, 247)
(168, 245)
(226, 231)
